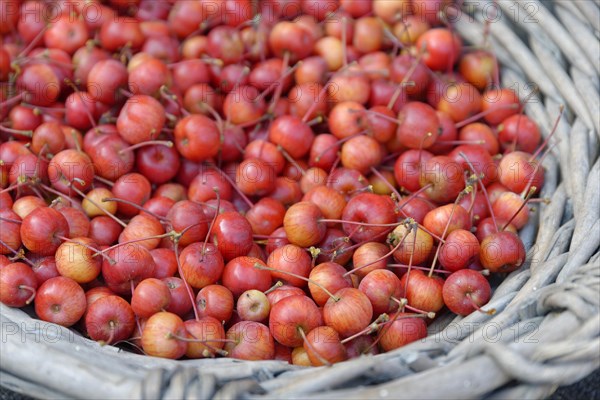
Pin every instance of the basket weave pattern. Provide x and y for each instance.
(547, 326)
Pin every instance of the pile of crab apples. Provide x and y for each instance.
(308, 181)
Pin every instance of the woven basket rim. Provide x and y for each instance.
(547, 326)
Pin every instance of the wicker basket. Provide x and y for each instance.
(546, 332)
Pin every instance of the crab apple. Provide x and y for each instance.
(197, 138)
(201, 264)
(422, 291)
(245, 273)
(405, 328)
(18, 284)
(407, 168)
(141, 119)
(302, 224)
(42, 229)
(109, 319)
(519, 133)
(11, 231)
(232, 234)
(249, 340)
(203, 330)
(442, 48)
(447, 218)
(445, 177)
(368, 208)
(125, 266)
(418, 125)
(348, 312)
(253, 305)
(293, 259)
(465, 291)
(149, 297)
(502, 252)
(215, 301)
(519, 170)
(76, 259)
(459, 250)
(499, 104)
(290, 315)
(60, 300)
(162, 334)
(382, 287)
(413, 244)
(511, 207)
(188, 217)
(323, 345)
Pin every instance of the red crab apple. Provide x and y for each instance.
(162, 334)
(18, 284)
(109, 319)
(60, 300)
(250, 340)
(466, 291)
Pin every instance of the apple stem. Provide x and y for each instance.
(172, 335)
(166, 143)
(132, 241)
(232, 183)
(405, 81)
(389, 253)
(278, 84)
(28, 133)
(313, 106)
(212, 223)
(12, 187)
(14, 221)
(546, 141)
(277, 285)
(290, 159)
(71, 84)
(19, 254)
(397, 44)
(266, 268)
(29, 289)
(105, 181)
(33, 43)
(172, 98)
(253, 122)
(525, 201)
(370, 329)
(339, 221)
(339, 142)
(464, 192)
(110, 215)
(459, 142)
(188, 288)
(10, 102)
(321, 358)
(111, 336)
(376, 114)
(478, 308)
(134, 205)
(410, 262)
(403, 303)
(56, 192)
(126, 92)
(386, 182)
(439, 271)
(332, 169)
(483, 189)
(537, 167)
(482, 114)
